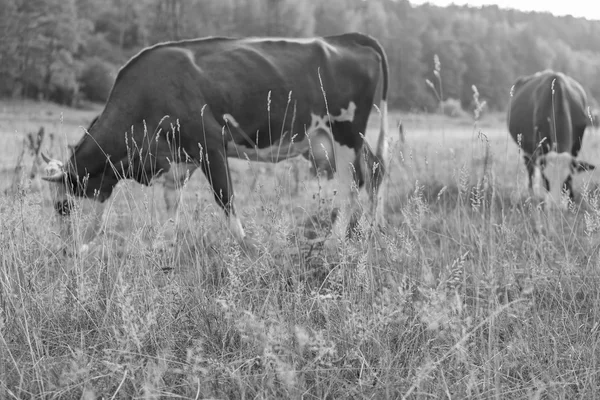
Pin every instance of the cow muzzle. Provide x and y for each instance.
(63, 207)
(55, 170)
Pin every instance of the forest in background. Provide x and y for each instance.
(68, 51)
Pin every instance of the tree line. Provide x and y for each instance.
(68, 51)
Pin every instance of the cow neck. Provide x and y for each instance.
(104, 141)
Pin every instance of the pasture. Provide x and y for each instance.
(472, 291)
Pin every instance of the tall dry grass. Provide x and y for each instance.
(473, 291)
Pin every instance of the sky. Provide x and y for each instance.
(576, 8)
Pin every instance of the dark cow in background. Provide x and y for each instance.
(547, 117)
(190, 103)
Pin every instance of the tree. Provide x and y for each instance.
(477, 73)
(44, 40)
(404, 49)
(374, 19)
(48, 46)
(289, 18)
(9, 58)
(123, 24)
(333, 17)
(97, 79)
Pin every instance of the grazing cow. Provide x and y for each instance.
(178, 105)
(547, 118)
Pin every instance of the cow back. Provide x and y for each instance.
(547, 111)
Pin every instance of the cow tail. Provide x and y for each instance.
(382, 141)
(368, 41)
(382, 151)
(560, 123)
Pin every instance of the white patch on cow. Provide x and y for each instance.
(54, 167)
(317, 122)
(235, 226)
(346, 114)
(228, 118)
(556, 170)
(382, 192)
(384, 116)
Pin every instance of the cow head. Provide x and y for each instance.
(64, 189)
(556, 169)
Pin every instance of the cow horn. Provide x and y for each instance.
(46, 159)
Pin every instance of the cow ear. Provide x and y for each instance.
(580, 166)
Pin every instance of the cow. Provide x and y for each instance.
(180, 105)
(547, 118)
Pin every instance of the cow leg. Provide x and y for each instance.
(345, 196)
(530, 165)
(578, 138)
(373, 177)
(216, 169)
(173, 183)
(535, 176)
(371, 170)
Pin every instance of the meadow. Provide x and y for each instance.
(473, 290)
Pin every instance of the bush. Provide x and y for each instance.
(63, 85)
(96, 46)
(96, 79)
(452, 108)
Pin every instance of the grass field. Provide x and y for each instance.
(473, 291)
